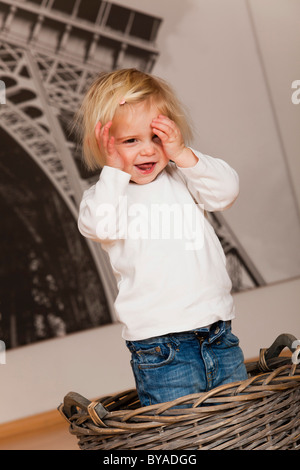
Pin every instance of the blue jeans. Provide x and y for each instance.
(178, 364)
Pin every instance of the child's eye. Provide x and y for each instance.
(129, 141)
(156, 139)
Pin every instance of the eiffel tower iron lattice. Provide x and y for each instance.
(50, 51)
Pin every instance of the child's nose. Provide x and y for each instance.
(148, 150)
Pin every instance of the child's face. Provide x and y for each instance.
(135, 142)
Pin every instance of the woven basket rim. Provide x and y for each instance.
(261, 412)
(256, 387)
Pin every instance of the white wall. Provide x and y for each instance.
(245, 111)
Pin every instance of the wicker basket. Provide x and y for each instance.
(260, 413)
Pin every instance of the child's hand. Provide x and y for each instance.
(172, 141)
(106, 144)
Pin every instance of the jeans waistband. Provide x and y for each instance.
(211, 332)
(214, 329)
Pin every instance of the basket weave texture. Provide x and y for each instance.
(260, 413)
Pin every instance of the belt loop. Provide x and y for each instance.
(217, 329)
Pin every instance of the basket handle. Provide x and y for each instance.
(266, 355)
(74, 400)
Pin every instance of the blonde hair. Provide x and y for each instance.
(104, 97)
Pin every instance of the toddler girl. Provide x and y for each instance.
(148, 212)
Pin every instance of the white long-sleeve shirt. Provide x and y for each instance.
(168, 262)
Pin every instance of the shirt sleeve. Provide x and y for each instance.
(212, 182)
(102, 205)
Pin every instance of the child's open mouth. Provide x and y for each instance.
(146, 168)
